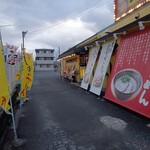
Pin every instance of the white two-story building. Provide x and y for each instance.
(44, 59)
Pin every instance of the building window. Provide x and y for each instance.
(40, 66)
(83, 60)
(49, 66)
(41, 58)
(46, 58)
(52, 58)
(49, 51)
(37, 51)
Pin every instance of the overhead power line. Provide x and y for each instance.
(1, 26)
(96, 5)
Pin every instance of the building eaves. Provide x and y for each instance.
(119, 26)
(124, 24)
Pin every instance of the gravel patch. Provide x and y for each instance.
(113, 123)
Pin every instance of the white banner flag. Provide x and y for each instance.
(102, 66)
(12, 55)
(92, 58)
(11, 48)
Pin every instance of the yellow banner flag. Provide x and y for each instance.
(18, 75)
(30, 69)
(27, 73)
(23, 75)
(4, 91)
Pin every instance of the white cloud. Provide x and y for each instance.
(66, 35)
(32, 15)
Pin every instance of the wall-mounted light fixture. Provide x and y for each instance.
(137, 16)
(121, 33)
(141, 26)
(87, 47)
(98, 42)
(107, 32)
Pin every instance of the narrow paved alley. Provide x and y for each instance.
(62, 116)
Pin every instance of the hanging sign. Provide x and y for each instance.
(102, 66)
(92, 58)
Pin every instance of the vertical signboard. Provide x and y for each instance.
(129, 84)
(102, 66)
(92, 58)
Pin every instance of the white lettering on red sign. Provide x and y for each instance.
(142, 100)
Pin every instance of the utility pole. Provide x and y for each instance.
(59, 63)
(58, 51)
(23, 35)
(22, 48)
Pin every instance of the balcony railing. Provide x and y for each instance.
(44, 55)
(44, 62)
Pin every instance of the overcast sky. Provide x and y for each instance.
(53, 23)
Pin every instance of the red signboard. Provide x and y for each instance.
(124, 7)
(129, 84)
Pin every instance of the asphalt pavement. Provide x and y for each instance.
(62, 116)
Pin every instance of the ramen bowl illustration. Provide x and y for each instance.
(86, 77)
(98, 81)
(126, 84)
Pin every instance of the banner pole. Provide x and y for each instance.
(12, 111)
(13, 119)
(21, 82)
